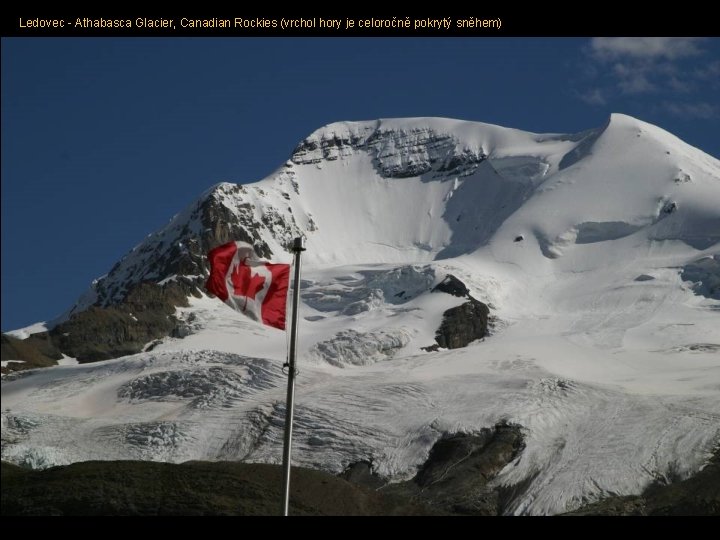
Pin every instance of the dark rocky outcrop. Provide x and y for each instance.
(222, 225)
(181, 247)
(670, 207)
(462, 324)
(704, 274)
(36, 351)
(452, 285)
(100, 333)
(395, 153)
(455, 478)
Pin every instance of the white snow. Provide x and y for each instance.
(67, 361)
(24, 333)
(615, 377)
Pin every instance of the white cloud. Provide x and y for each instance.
(632, 79)
(645, 64)
(709, 72)
(701, 110)
(681, 85)
(593, 97)
(670, 48)
(664, 67)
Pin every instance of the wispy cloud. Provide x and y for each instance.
(593, 97)
(702, 110)
(642, 65)
(632, 80)
(674, 71)
(682, 86)
(709, 72)
(644, 48)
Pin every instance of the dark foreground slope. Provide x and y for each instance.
(225, 488)
(193, 488)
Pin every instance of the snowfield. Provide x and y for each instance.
(596, 252)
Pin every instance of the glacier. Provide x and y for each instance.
(595, 251)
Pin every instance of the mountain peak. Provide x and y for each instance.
(622, 119)
(422, 189)
(596, 252)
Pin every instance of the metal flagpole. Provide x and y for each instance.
(298, 247)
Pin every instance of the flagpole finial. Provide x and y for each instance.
(299, 244)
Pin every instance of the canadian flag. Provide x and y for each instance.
(257, 288)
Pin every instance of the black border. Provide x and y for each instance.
(576, 21)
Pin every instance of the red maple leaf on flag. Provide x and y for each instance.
(245, 283)
(237, 277)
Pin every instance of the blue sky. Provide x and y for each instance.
(104, 140)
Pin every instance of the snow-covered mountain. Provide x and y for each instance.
(598, 254)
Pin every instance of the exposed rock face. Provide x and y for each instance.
(462, 324)
(705, 275)
(395, 153)
(452, 285)
(37, 350)
(100, 333)
(134, 303)
(456, 476)
(224, 213)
